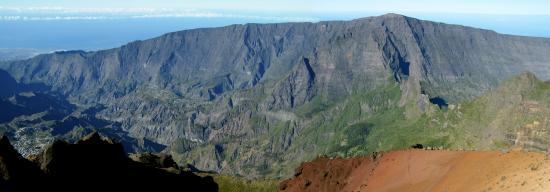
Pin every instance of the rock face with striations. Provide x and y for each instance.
(243, 98)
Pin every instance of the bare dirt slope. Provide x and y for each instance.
(422, 170)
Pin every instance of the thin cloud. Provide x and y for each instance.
(63, 13)
(49, 18)
(54, 9)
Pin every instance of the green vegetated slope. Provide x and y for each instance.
(236, 184)
(515, 114)
(295, 136)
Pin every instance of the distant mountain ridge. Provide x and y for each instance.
(243, 98)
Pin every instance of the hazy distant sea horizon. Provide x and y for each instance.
(49, 35)
(95, 34)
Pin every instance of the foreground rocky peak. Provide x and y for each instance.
(13, 167)
(92, 163)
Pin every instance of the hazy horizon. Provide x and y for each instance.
(103, 24)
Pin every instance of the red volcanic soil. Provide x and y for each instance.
(422, 170)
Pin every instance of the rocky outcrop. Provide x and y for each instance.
(14, 169)
(154, 160)
(93, 163)
(296, 89)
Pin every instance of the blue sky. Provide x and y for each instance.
(108, 23)
(504, 7)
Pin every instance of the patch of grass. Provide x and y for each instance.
(540, 92)
(313, 107)
(237, 184)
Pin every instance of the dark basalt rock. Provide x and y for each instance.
(155, 160)
(93, 164)
(417, 146)
(15, 170)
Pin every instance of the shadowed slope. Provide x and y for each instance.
(92, 163)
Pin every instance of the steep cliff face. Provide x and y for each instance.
(244, 98)
(474, 59)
